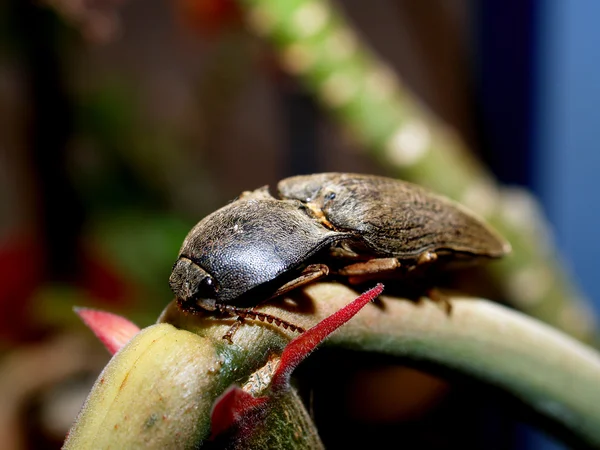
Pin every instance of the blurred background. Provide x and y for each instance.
(122, 123)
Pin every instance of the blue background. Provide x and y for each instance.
(539, 84)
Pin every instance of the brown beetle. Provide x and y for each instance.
(357, 226)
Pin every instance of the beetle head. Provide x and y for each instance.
(190, 282)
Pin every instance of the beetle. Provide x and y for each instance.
(358, 226)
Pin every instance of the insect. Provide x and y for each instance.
(355, 226)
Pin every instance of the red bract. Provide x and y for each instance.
(113, 331)
(235, 405)
(231, 408)
(101, 280)
(21, 277)
(299, 348)
(24, 276)
(210, 17)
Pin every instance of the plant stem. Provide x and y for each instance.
(551, 372)
(160, 388)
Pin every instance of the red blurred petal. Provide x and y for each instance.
(113, 331)
(299, 348)
(233, 406)
(209, 17)
(21, 273)
(103, 281)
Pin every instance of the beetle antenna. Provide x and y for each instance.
(246, 313)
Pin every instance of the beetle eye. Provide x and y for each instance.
(205, 286)
(208, 285)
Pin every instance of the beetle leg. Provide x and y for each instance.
(308, 275)
(377, 268)
(370, 267)
(426, 257)
(378, 265)
(343, 251)
(233, 329)
(438, 297)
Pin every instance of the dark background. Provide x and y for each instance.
(122, 123)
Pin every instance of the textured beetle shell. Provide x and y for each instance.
(253, 240)
(395, 218)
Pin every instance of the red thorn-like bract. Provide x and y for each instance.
(113, 330)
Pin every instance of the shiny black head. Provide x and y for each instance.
(189, 282)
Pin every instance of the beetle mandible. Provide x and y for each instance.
(359, 226)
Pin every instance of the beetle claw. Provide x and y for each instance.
(441, 299)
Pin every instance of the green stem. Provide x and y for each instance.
(158, 391)
(551, 372)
